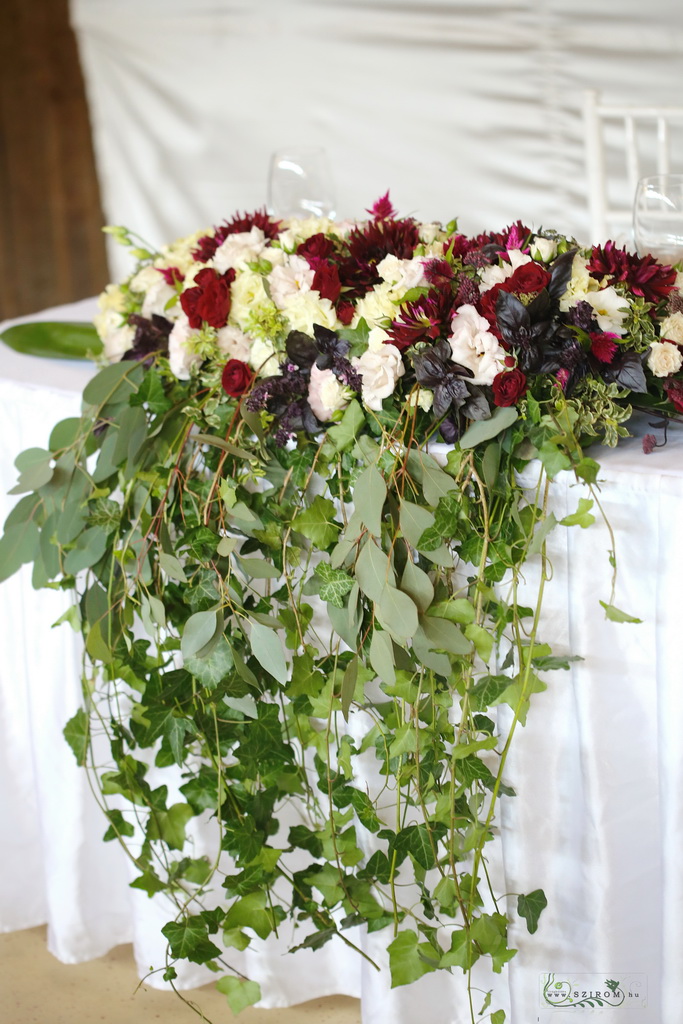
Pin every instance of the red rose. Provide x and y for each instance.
(209, 300)
(236, 378)
(527, 279)
(508, 387)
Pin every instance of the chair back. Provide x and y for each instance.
(625, 142)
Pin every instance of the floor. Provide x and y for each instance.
(37, 989)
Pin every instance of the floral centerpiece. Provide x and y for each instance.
(301, 415)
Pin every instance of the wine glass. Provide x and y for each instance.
(300, 183)
(658, 217)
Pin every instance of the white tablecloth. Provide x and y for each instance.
(597, 823)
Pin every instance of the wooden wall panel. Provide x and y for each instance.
(51, 244)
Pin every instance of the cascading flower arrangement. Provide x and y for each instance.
(303, 415)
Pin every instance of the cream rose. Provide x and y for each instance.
(580, 283)
(671, 327)
(379, 370)
(402, 275)
(543, 249)
(306, 309)
(325, 394)
(664, 358)
(473, 345)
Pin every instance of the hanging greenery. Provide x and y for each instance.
(296, 512)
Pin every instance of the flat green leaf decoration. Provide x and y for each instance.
(483, 430)
(240, 992)
(266, 647)
(53, 339)
(369, 495)
(530, 907)
(317, 522)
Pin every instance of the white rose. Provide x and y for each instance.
(473, 345)
(671, 327)
(402, 275)
(233, 343)
(239, 249)
(423, 398)
(377, 337)
(308, 308)
(247, 291)
(543, 249)
(379, 371)
(292, 278)
(325, 394)
(264, 359)
(116, 336)
(611, 309)
(664, 358)
(181, 355)
(429, 233)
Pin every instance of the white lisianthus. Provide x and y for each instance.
(239, 249)
(116, 336)
(292, 278)
(379, 370)
(430, 232)
(473, 345)
(376, 307)
(298, 231)
(308, 308)
(671, 327)
(611, 309)
(664, 358)
(181, 354)
(496, 274)
(264, 359)
(179, 253)
(247, 291)
(152, 284)
(543, 249)
(326, 395)
(112, 298)
(580, 284)
(233, 343)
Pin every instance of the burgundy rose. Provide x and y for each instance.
(508, 387)
(236, 378)
(527, 279)
(209, 300)
(317, 247)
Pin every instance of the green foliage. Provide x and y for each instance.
(240, 603)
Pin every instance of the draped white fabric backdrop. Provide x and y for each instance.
(463, 109)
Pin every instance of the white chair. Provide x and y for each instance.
(650, 139)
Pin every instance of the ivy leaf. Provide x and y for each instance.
(336, 584)
(369, 495)
(530, 907)
(169, 826)
(189, 940)
(240, 992)
(267, 649)
(76, 734)
(345, 432)
(582, 517)
(405, 963)
(616, 615)
(251, 911)
(317, 522)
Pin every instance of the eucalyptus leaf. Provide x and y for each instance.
(369, 495)
(267, 649)
(501, 418)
